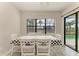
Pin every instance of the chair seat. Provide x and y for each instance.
(45, 50)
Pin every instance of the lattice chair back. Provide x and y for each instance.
(56, 43)
(43, 42)
(15, 42)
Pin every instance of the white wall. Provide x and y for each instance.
(9, 24)
(37, 15)
(70, 8)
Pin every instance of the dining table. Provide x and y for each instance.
(36, 37)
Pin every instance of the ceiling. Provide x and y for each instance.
(41, 6)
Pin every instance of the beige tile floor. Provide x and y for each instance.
(64, 51)
(59, 51)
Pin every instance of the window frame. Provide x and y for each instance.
(45, 27)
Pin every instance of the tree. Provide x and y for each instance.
(40, 22)
(30, 22)
(68, 24)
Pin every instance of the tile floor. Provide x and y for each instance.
(64, 51)
(59, 51)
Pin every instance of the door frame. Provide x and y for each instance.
(76, 31)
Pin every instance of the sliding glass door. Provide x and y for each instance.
(71, 31)
(70, 28)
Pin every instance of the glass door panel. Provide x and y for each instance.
(70, 30)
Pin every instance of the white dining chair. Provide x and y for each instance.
(27, 47)
(15, 45)
(43, 47)
(16, 48)
(57, 47)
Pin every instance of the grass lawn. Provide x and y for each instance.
(70, 37)
(70, 40)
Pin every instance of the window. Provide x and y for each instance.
(30, 25)
(50, 25)
(41, 25)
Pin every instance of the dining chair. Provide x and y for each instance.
(57, 47)
(15, 45)
(16, 48)
(27, 47)
(43, 47)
